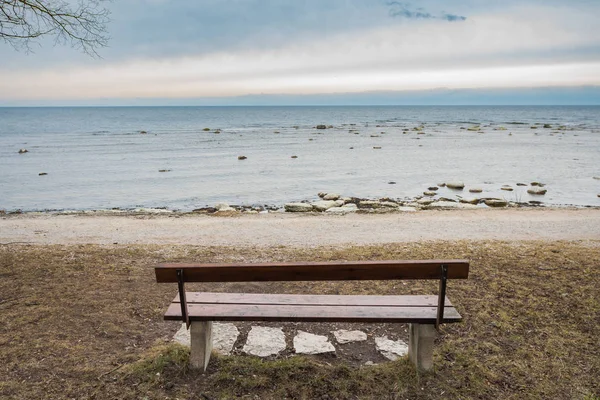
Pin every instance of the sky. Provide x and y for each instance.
(236, 52)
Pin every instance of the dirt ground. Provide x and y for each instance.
(85, 321)
(301, 230)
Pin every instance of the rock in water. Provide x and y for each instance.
(495, 202)
(298, 207)
(455, 185)
(321, 127)
(429, 193)
(43, 173)
(23, 151)
(536, 190)
(469, 200)
(506, 188)
(242, 157)
(331, 196)
(475, 190)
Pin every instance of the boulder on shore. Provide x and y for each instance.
(323, 205)
(495, 202)
(298, 207)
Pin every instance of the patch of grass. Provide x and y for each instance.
(83, 321)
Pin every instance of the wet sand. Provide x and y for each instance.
(303, 230)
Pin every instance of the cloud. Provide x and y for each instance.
(400, 9)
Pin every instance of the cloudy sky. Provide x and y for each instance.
(213, 51)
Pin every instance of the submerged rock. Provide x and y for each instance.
(475, 190)
(242, 157)
(469, 200)
(506, 188)
(429, 193)
(43, 173)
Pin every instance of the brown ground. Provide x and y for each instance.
(304, 229)
(85, 321)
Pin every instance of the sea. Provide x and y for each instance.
(183, 158)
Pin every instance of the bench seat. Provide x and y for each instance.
(203, 306)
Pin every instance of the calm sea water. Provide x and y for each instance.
(96, 157)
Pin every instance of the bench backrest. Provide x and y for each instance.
(312, 271)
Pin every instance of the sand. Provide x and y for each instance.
(303, 230)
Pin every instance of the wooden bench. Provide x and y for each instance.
(424, 313)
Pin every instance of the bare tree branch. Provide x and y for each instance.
(82, 25)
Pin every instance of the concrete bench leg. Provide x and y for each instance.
(201, 344)
(420, 345)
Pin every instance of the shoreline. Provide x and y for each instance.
(303, 229)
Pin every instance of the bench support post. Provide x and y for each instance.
(420, 345)
(201, 344)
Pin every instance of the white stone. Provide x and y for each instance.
(224, 336)
(331, 196)
(307, 343)
(323, 205)
(346, 199)
(344, 336)
(264, 341)
(424, 201)
(390, 349)
(407, 209)
(450, 204)
(298, 207)
(389, 204)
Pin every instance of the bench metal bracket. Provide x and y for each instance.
(184, 313)
(441, 297)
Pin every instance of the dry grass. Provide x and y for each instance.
(86, 322)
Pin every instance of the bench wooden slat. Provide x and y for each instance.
(346, 313)
(302, 299)
(313, 271)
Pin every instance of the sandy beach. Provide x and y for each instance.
(297, 230)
